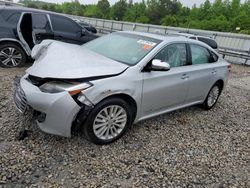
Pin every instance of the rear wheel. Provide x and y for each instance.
(108, 121)
(212, 97)
(11, 55)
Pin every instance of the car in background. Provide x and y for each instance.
(104, 86)
(22, 28)
(207, 40)
(87, 26)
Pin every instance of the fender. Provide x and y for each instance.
(27, 51)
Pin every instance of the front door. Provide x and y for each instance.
(167, 89)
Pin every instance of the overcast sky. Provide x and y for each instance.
(188, 3)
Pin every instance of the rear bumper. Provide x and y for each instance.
(60, 108)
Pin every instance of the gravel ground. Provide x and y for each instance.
(186, 148)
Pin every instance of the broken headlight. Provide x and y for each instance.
(72, 88)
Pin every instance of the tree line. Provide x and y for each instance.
(222, 15)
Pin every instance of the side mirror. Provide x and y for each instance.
(159, 65)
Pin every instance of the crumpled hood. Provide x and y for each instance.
(54, 59)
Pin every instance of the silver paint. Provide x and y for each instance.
(154, 92)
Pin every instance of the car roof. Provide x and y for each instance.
(192, 35)
(158, 36)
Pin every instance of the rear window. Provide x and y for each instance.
(11, 17)
(14, 18)
(40, 21)
(209, 42)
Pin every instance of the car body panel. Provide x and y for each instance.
(72, 61)
(168, 86)
(53, 105)
(154, 92)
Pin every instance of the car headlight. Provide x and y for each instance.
(58, 86)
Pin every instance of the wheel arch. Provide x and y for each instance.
(14, 41)
(130, 100)
(221, 84)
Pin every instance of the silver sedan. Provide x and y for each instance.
(106, 85)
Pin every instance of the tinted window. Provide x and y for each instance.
(40, 21)
(209, 42)
(174, 54)
(64, 24)
(14, 18)
(200, 55)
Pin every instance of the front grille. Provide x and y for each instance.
(19, 97)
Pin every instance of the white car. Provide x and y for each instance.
(119, 79)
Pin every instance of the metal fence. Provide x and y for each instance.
(234, 47)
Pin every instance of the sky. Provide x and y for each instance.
(188, 3)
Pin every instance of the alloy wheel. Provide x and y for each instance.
(213, 96)
(10, 57)
(110, 122)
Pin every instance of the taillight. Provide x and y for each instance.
(229, 67)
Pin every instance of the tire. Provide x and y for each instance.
(212, 97)
(11, 55)
(105, 130)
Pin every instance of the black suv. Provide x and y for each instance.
(22, 28)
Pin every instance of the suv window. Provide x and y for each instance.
(64, 24)
(174, 54)
(40, 21)
(200, 55)
(14, 18)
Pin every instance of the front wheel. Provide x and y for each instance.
(108, 121)
(212, 97)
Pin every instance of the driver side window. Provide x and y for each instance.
(174, 54)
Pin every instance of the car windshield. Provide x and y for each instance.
(123, 47)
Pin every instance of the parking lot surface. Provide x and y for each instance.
(189, 147)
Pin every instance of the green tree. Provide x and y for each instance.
(136, 13)
(103, 8)
(91, 11)
(169, 21)
(119, 9)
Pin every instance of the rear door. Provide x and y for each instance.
(41, 28)
(202, 73)
(66, 30)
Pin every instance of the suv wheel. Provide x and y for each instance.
(108, 121)
(212, 97)
(11, 55)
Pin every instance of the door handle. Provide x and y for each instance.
(184, 76)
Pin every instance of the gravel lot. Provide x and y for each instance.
(187, 148)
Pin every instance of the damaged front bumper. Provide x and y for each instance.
(57, 111)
